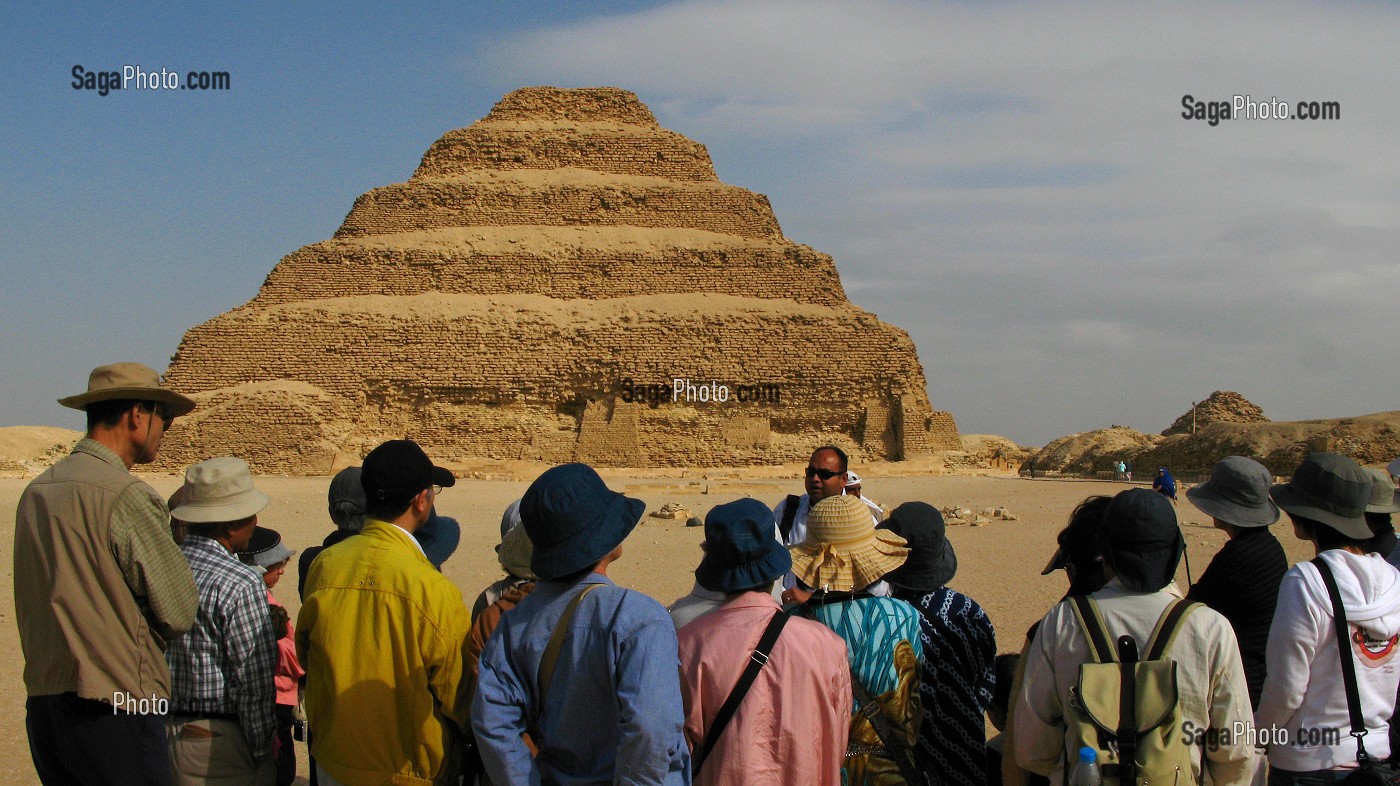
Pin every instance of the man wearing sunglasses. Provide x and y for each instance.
(825, 476)
(100, 588)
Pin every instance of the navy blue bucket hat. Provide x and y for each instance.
(439, 537)
(574, 520)
(1140, 539)
(741, 551)
(932, 561)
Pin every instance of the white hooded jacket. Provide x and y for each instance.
(1303, 710)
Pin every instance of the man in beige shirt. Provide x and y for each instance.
(100, 586)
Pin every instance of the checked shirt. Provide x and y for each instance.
(226, 663)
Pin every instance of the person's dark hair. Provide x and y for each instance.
(570, 578)
(840, 454)
(1085, 562)
(1379, 523)
(108, 413)
(765, 588)
(388, 509)
(1326, 537)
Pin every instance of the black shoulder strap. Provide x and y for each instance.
(789, 516)
(741, 688)
(1339, 622)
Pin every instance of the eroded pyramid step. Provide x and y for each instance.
(558, 262)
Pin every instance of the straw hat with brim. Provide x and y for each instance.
(128, 381)
(219, 490)
(843, 551)
(1385, 498)
(740, 550)
(574, 520)
(1330, 489)
(1237, 493)
(931, 562)
(265, 548)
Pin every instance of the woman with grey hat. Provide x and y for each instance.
(1242, 581)
(959, 649)
(1304, 707)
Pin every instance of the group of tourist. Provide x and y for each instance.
(821, 643)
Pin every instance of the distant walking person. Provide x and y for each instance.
(100, 587)
(789, 727)
(1165, 484)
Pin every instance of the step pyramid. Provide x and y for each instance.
(533, 292)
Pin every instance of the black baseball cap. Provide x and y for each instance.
(397, 470)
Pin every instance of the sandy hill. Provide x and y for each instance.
(29, 450)
(1369, 439)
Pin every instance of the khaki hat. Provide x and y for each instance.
(219, 490)
(1385, 498)
(843, 551)
(128, 381)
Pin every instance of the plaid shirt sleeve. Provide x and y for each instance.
(153, 566)
(250, 650)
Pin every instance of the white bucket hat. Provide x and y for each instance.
(219, 490)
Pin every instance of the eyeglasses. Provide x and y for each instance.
(162, 412)
(436, 489)
(824, 474)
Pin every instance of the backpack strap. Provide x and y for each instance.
(1086, 611)
(1167, 626)
(757, 660)
(1339, 623)
(556, 643)
(789, 516)
(1127, 733)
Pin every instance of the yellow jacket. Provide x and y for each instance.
(383, 636)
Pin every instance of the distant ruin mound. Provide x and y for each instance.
(1222, 406)
(29, 450)
(1279, 445)
(563, 280)
(1091, 452)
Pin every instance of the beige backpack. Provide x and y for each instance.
(1126, 708)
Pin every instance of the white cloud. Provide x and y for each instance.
(1023, 170)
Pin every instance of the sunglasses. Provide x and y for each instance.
(824, 474)
(162, 412)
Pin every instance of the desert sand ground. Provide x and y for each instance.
(999, 563)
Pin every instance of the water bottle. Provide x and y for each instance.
(1086, 770)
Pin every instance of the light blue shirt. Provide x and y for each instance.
(614, 712)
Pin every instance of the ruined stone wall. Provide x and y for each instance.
(497, 303)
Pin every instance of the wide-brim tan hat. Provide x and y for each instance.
(843, 551)
(219, 490)
(129, 381)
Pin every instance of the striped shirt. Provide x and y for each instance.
(225, 665)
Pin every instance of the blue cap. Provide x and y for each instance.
(1088, 754)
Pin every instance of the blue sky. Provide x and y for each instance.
(1011, 182)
